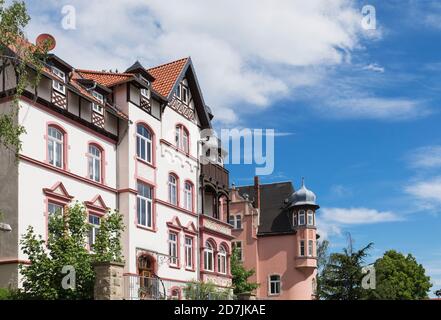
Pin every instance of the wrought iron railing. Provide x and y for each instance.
(144, 288)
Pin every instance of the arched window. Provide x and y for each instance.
(173, 189)
(208, 257)
(222, 260)
(55, 147)
(182, 138)
(175, 294)
(95, 163)
(144, 143)
(188, 196)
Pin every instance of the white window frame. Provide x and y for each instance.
(95, 163)
(173, 248)
(302, 216)
(55, 141)
(93, 230)
(185, 145)
(232, 221)
(310, 214)
(222, 260)
(188, 196)
(310, 248)
(145, 93)
(143, 201)
(59, 86)
(60, 74)
(277, 283)
(208, 257)
(188, 252)
(146, 142)
(173, 190)
(95, 106)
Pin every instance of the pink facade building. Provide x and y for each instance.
(274, 229)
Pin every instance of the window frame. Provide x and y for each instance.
(310, 248)
(277, 285)
(95, 159)
(188, 196)
(234, 244)
(189, 252)
(222, 263)
(147, 142)
(93, 231)
(95, 106)
(148, 204)
(55, 141)
(302, 247)
(182, 138)
(310, 214)
(170, 189)
(302, 215)
(173, 244)
(209, 256)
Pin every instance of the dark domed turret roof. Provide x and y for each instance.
(303, 196)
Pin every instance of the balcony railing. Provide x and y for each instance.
(215, 173)
(143, 288)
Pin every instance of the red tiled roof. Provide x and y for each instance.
(166, 76)
(107, 79)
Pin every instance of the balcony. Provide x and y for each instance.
(215, 174)
(306, 263)
(151, 288)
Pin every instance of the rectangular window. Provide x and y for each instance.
(95, 106)
(60, 74)
(310, 218)
(94, 222)
(145, 93)
(238, 246)
(302, 218)
(188, 197)
(232, 220)
(274, 285)
(189, 252)
(184, 95)
(238, 222)
(55, 147)
(310, 248)
(173, 248)
(145, 205)
(59, 86)
(302, 248)
(53, 208)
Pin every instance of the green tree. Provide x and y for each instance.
(17, 52)
(399, 277)
(66, 246)
(241, 275)
(342, 276)
(107, 245)
(322, 261)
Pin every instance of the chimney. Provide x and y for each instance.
(257, 192)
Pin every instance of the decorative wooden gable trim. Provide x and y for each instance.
(97, 206)
(98, 119)
(182, 109)
(58, 192)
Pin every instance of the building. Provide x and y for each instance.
(129, 141)
(275, 233)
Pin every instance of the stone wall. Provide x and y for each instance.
(109, 281)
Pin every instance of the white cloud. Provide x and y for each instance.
(246, 53)
(393, 109)
(428, 192)
(374, 67)
(426, 157)
(332, 220)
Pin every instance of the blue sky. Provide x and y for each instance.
(357, 111)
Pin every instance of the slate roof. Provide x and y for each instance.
(274, 213)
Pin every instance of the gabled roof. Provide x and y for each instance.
(167, 75)
(274, 215)
(137, 67)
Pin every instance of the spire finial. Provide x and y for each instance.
(303, 181)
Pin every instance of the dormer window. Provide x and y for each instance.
(56, 84)
(182, 93)
(145, 93)
(95, 106)
(60, 74)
